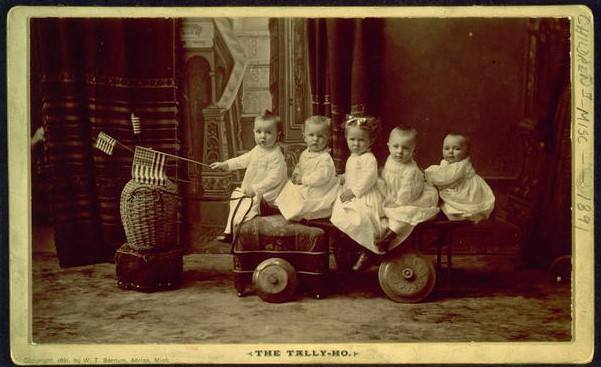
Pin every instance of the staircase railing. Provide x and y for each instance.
(222, 118)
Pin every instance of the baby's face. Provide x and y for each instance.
(266, 133)
(454, 148)
(316, 136)
(401, 147)
(358, 140)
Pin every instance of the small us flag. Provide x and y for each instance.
(105, 143)
(135, 123)
(148, 166)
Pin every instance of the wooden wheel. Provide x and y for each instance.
(275, 280)
(407, 277)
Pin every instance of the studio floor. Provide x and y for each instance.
(490, 299)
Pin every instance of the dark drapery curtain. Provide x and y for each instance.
(93, 73)
(550, 236)
(345, 73)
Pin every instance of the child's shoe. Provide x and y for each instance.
(384, 243)
(225, 237)
(362, 261)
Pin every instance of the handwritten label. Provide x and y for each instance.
(583, 89)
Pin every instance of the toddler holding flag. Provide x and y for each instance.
(265, 173)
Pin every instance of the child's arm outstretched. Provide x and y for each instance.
(445, 175)
(223, 166)
(233, 163)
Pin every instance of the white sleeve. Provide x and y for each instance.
(239, 162)
(444, 174)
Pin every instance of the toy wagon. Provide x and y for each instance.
(276, 256)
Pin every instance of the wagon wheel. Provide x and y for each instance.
(407, 277)
(560, 269)
(275, 280)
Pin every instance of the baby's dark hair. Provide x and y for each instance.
(270, 116)
(371, 124)
(468, 141)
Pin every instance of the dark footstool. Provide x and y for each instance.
(148, 272)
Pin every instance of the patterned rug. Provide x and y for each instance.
(488, 301)
(203, 241)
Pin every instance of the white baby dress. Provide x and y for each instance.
(464, 193)
(315, 197)
(407, 197)
(265, 175)
(360, 217)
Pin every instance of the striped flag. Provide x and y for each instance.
(135, 123)
(148, 166)
(105, 143)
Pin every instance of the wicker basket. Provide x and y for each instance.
(149, 215)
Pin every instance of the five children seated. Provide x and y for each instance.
(377, 211)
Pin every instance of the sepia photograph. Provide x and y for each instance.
(343, 185)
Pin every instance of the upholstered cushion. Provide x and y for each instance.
(274, 233)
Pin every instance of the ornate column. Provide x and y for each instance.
(198, 91)
(216, 184)
(289, 83)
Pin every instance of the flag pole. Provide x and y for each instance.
(178, 157)
(124, 146)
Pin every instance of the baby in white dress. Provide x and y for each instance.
(312, 189)
(358, 208)
(408, 199)
(264, 177)
(465, 195)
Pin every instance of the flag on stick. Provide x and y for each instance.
(148, 166)
(105, 143)
(135, 123)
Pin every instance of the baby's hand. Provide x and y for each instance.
(475, 218)
(249, 192)
(347, 196)
(220, 165)
(297, 179)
